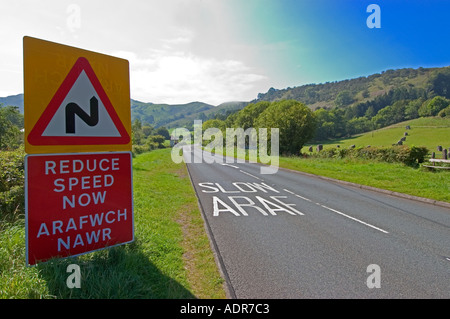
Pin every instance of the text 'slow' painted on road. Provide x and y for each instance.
(239, 202)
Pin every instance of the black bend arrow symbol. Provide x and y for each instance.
(73, 109)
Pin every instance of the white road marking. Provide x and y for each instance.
(251, 175)
(338, 212)
(304, 198)
(225, 164)
(355, 219)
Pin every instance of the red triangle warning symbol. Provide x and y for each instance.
(80, 113)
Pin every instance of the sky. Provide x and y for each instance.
(216, 51)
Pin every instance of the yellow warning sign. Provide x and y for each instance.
(74, 100)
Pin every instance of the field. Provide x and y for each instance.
(417, 181)
(170, 258)
(429, 132)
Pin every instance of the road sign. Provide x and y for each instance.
(77, 203)
(75, 100)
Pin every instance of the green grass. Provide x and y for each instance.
(429, 132)
(390, 176)
(170, 258)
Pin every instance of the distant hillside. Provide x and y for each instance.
(363, 96)
(162, 114)
(179, 115)
(159, 114)
(14, 100)
(220, 111)
(350, 92)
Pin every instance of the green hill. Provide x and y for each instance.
(220, 111)
(429, 132)
(179, 115)
(13, 100)
(358, 90)
(162, 114)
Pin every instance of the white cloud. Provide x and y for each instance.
(179, 50)
(180, 77)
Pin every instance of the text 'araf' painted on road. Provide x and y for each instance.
(270, 203)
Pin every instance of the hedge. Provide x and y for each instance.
(12, 170)
(394, 154)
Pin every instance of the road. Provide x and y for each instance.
(289, 235)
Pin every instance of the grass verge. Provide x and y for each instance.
(390, 176)
(170, 258)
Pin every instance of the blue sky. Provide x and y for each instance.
(324, 40)
(222, 50)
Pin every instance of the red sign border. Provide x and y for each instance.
(26, 203)
(35, 137)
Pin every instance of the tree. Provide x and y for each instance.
(296, 122)
(390, 114)
(11, 121)
(440, 83)
(214, 123)
(358, 125)
(163, 132)
(344, 98)
(245, 118)
(434, 106)
(337, 117)
(156, 141)
(12, 114)
(136, 132)
(147, 130)
(370, 112)
(325, 124)
(412, 109)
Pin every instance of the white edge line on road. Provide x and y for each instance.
(251, 175)
(338, 212)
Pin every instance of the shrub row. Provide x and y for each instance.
(12, 194)
(149, 146)
(395, 154)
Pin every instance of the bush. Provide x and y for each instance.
(155, 141)
(139, 149)
(417, 154)
(12, 172)
(12, 203)
(395, 154)
(445, 112)
(433, 107)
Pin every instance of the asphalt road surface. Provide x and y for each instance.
(288, 235)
